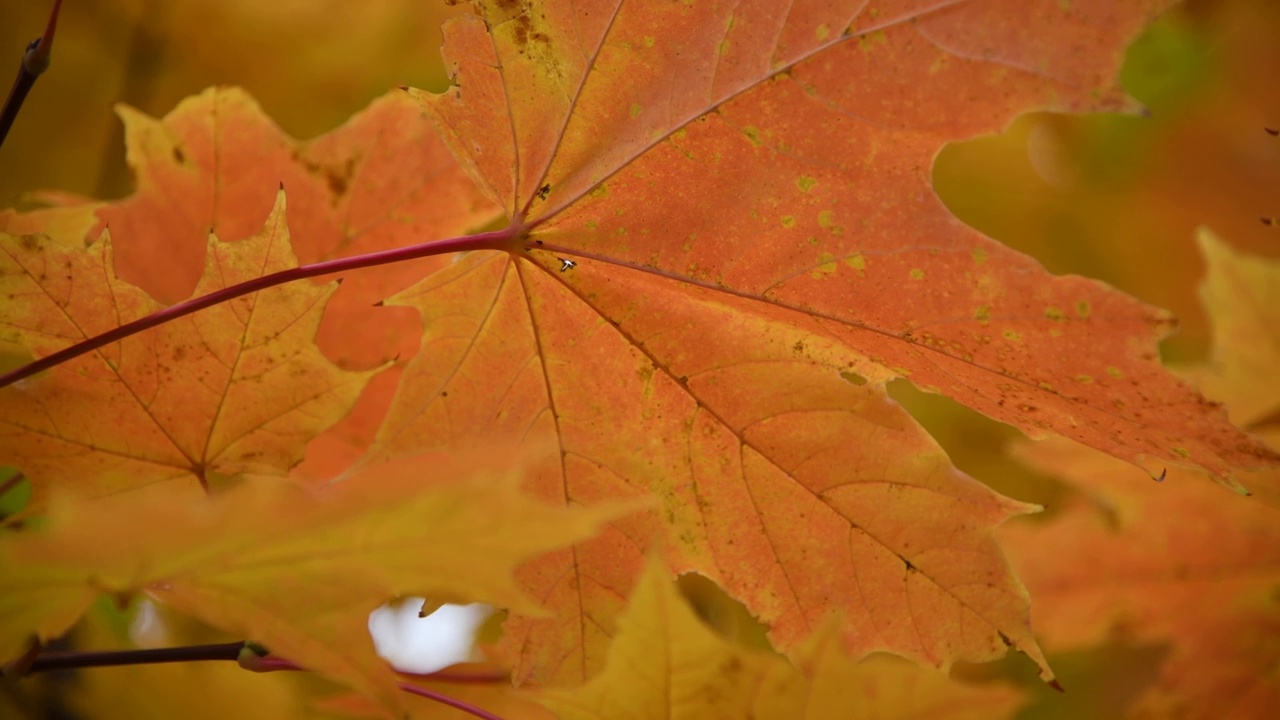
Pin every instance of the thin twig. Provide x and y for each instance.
(496, 240)
(35, 60)
(46, 661)
(66, 660)
(446, 700)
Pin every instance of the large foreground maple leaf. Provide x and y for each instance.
(722, 243)
(722, 228)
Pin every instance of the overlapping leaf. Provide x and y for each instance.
(1175, 562)
(664, 663)
(1179, 562)
(240, 387)
(745, 193)
(296, 570)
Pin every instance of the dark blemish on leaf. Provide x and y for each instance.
(444, 393)
(910, 567)
(1272, 131)
(1005, 639)
(537, 242)
(1269, 221)
(544, 191)
(1163, 473)
(179, 156)
(522, 31)
(30, 242)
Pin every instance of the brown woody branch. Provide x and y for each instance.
(35, 60)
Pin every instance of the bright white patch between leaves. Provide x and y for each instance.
(424, 645)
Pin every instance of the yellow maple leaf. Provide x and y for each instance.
(297, 570)
(664, 663)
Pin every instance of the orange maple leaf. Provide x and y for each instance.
(380, 181)
(297, 570)
(717, 230)
(720, 249)
(237, 388)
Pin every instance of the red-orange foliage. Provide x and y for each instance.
(720, 242)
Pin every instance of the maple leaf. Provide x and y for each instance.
(1241, 294)
(295, 569)
(380, 181)
(1175, 562)
(664, 663)
(755, 250)
(239, 387)
(1179, 561)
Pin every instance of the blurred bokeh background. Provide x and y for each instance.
(1108, 196)
(310, 63)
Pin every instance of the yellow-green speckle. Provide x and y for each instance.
(1083, 308)
(1084, 379)
(724, 47)
(826, 219)
(635, 109)
(788, 221)
(1013, 335)
(979, 256)
(806, 183)
(752, 133)
(650, 41)
(827, 267)
(592, 224)
(601, 191)
(822, 33)
(1045, 386)
(812, 240)
(871, 39)
(917, 274)
(983, 314)
(1182, 452)
(1114, 371)
(857, 262)
(1055, 314)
